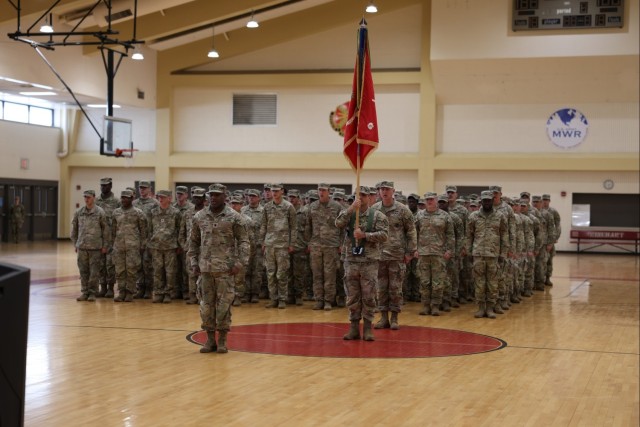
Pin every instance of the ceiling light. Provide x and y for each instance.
(137, 54)
(371, 8)
(213, 53)
(46, 27)
(252, 23)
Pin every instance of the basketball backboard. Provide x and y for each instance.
(116, 138)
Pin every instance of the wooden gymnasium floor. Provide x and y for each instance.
(571, 359)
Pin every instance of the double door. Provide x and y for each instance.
(40, 200)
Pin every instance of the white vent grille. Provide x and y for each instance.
(253, 109)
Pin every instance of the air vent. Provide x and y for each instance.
(119, 15)
(253, 109)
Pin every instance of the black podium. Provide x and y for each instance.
(14, 323)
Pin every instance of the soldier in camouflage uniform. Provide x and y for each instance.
(362, 252)
(324, 243)
(411, 285)
(300, 256)
(530, 264)
(183, 204)
(452, 284)
(17, 214)
(90, 235)
(487, 241)
(463, 263)
(129, 237)
(197, 199)
(255, 267)
(504, 274)
(341, 297)
(237, 202)
(529, 247)
(164, 227)
(546, 199)
(396, 253)
(218, 248)
(108, 202)
(436, 245)
(278, 232)
(548, 235)
(519, 253)
(145, 203)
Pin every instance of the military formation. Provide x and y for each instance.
(370, 252)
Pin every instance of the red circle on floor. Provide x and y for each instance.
(325, 340)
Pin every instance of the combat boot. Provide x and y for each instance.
(272, 304)
(327, 306)
(109, 293)
(548, 282)
(91, 297)
(82, 297)
(496, 308)
(394, 321)
(454, 303)
(192, 298)
(490, 313)
(504, 304)
(446, 307)
(426, 310)
(119, 298)
(515, 299)
(128, 297)
(299, 300)
(281, 304)
(147, 294)
(102, 292)
(254, 299)
(383, 323)
(139, 294)
(367, 333)
(210, 345)
(319, 305)
(157, 299)
(236, 302)
(354, 331)
(340, 302)
(222, 342)
(482, 310)
(435, 310)
(166, 299)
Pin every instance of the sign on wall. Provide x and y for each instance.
(567, 128)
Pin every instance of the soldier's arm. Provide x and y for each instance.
(74, 229)
(194, 246)
(380, 227)
(411, 235)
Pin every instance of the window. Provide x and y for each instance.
(24, 113)
(40, 116)
(253, 109)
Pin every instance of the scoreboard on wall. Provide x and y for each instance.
(567, 14)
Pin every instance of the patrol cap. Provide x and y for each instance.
(422, 201)
(451, 188)
(238, 193)
(105, 181)
(181, 189)
(164, 193)
(443, 198)
(473, 203)
(351, 197)
(430, 195)
(364, 189)
(144, 184)
(401, 198)
(473, 196)
(324, 186)
(267, 186)
(378, 185)
(253, 192)
(386, 184)
(487, 194)
(294, 193)
(413, 196)
(276, 186)
(495, 189)
(89, 193)
(373, 190)
(525, 194)
(237, 200)
(546, 197)
(216, 188)
(536, 198)
(338, 196)
(461, 199)
(126, 193)
(197, 192)
(313, 194)
(523, 203)
(133, 190)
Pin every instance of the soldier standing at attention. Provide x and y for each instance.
(450, 295)
(183, 204)
(463, 262)
(396, 253)
(278, 232)
(505, 272)
(255, 267)
(218, 249)
(546, 199)
(17, 215)
(487, 241)
(238, 279)
(108, 202)
(548, 235)
(164, 227)
(90, 236)
(324, 247)
(197, 199)
(300, 256)
(362, 252)
(436, 243)
(129, 236)
(145, 203)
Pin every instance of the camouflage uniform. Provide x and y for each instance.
(547, 236)
(164, 226)
(401, 243)
(529, 247)
(324, 243)
(129, 236)
(181, 289)
(183, 239)
(255, 267)
(217, 242)
(145, 279)
(487, 241)
(361, 271)
(107, 271)
(462, 263)
(531, 259)
(278, 232)
(519, 254)
(300, 267)
(558, 228)
(411, 284)
(504, 270)
(17, 215)
(436, 237)
(90, 236)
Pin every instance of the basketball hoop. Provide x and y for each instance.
(127, 154)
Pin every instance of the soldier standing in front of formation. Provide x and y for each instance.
(197, 199)
(255, 267)
(145, 203)
(546, 199)
(277, 232)
(183, 204)
(324, 247)
(362, 252)
(487, 241)
(164, 227)
(436, 243)
(108, 202)
(396, 253)
(218, 249)
(17, 215)
(129, 236)
(90, 236)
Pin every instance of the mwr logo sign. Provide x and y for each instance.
(567, 128)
